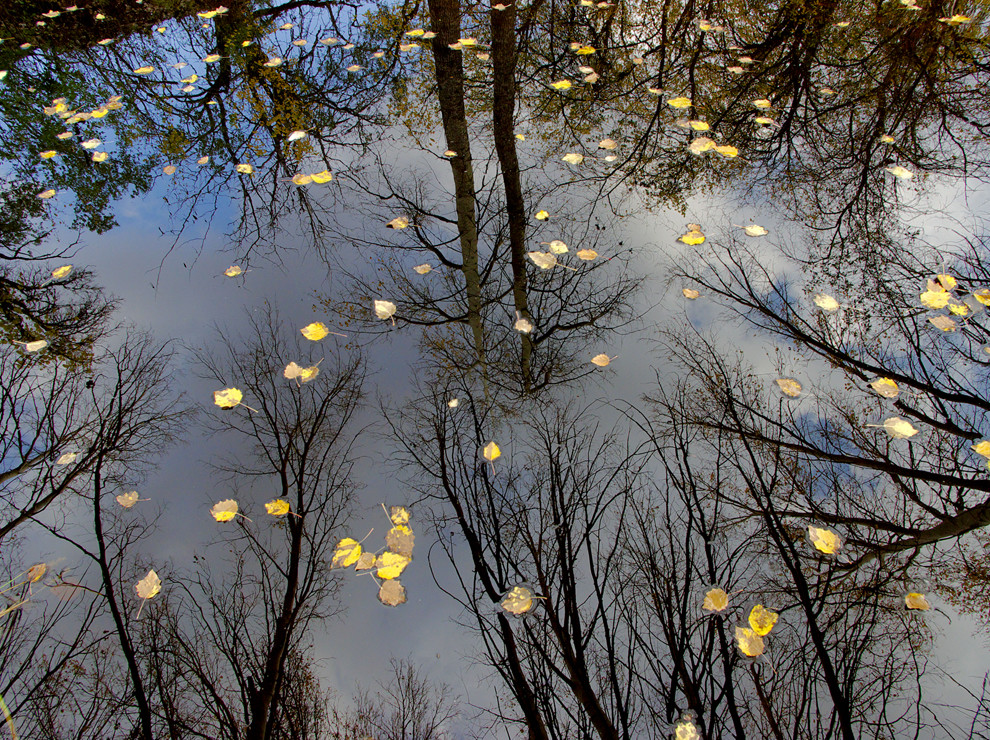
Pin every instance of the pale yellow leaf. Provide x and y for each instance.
(224, 511)
(491, 452)
(885, 387)
(517, 600)
(399, 515)
(601, 360)
(422, 269)
(789, 387)
(690, 293)
(916, 601)
(586, 254)
(384, 309)
(149, 586)
(277, 507)
(944, 323)
(826, 302)
(762, 620)
(399, 222)
(391, 565)
(573, 158)
(228, 398)
(346, 553)
(233, 271)
(749, 643)
(127, 500)
(716, 600)
(315, 331)
(400, 539)
(681, 102)
(60, 272)
(824, 540)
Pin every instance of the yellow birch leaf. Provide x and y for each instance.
(149, 586)
(585, 50)
(306, 374)
(755, 230)
(699, 125)
(749, 643)
(935, 299)
(202, 160)
(917, 601)
(586, 254)
(692, 237)
(826, 302)
(681, 102)
(899, 172)
(36, 346)
(601, 360)
(716, 600)
(322, 177)
(233, 271)
(391, 565)
(422, 269)
(400, 539)
(491, 452)
(946, 281)
(61, 272)
(690, 293)
(982, 295)
(277, 507)
(399, 515)
(366, 561)
(346, 553)
(762, 104)
(542, 215)
(384, 309)
(885, 387)
(543, 260)
(100, 156)
(762, 620)
(573, 158)
(67, 458)
(228, 398)
(169, 169)
(517, 600)
(144, 70)
(789, 387)
(46, 194)
(607, 144)
(727, 151)
(824, 540)
(127, 500)
(982, 448)
(899, 428)
(36, 572)
(561, 85)
(315, 331)
(399, 222)
(211, 58)
(224, 511)
(300, 179)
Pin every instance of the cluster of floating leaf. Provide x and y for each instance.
(387, 565)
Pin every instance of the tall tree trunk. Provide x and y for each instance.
(504, 54)
(446, 22)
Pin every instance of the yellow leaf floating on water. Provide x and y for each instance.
(169, 169)
(228, 398)
(392, 593)
(749, 643)
(302, 374)
(727, 151)
(601, 360)
(491, 452)
(690, 293)
(607, 144)
(573, 158)
(127, 500)
(384, 309)
(244, 169)
(36, 346)
(36, 572)
(48, 154)
(399, 222)
(147, 70)
(391, 565)
(762, 620)
(956, 20)
(755, 230)
(149, 586)
(61, 272)
(399, 515)
(557, 246)
(916, 601)
(301, 179)
(224, 511)
(762, 104)
(885, 387)
(517, 600)
(561, 85)
(899, 428)
(277, 507)
(296, 136)
(542, 215)
(211, 58)
(824, 540)
(789, 387)
(100, 156)
(315, 331)
(346, 553)
(322, 177)
(679, 102)
(826, 302)
(944, 323)
(585, 50)
(543, 260)
(422, 269)
(716, 600)
(46, 194)
(900, 172)
(693, 237)
(67, 458)
(233, 271)
(686, 729)
(982, 448)
(202, 160)
(935, 299)
(586, 254)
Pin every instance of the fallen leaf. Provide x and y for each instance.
(517, 600)
(944, 323)
(716, 600)
(36, 572)
(224, 511)
(67, 458)
(127, 500)
(277, 507)
(390, 565)
(690, 293)
(900, 172)
(573, 158)
(755, 230)
(346, 553)
(233, 271)
(601, 360)
(885, 387)
(824, 540)
(400, 539)
(399, 515)
(542, 215)
(422, 269)
(679, 102)
(749, 643)
(491, 452)
(392, 593)
(60, 272)
(244, 169)
(899, 428)
(228, 398)
(826, 302)
(399, 222)
(607, 144)
(762, 620)
(586, 254)
(384, 309)
(149, 586)
(543, 260)
(315, 331)
(789, 387)
(917, 601)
